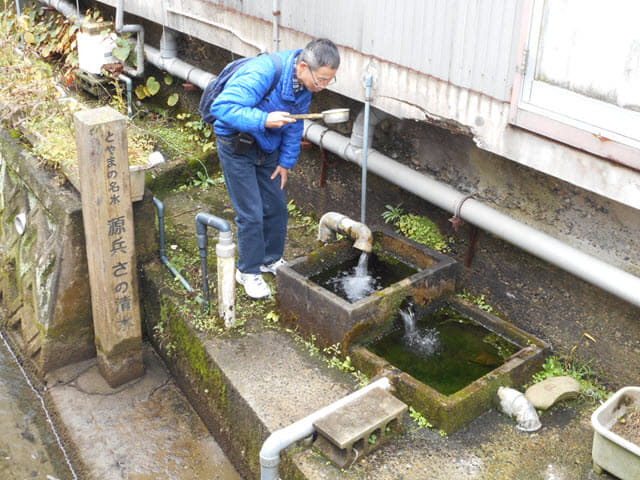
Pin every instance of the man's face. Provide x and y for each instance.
(315, 80)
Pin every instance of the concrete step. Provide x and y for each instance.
(359, 427)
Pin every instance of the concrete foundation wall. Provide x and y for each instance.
(597, 225)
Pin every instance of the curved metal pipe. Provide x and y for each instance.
(168, 43)
(66, 9)
(281, 439)
(332, 223)
(225, 252)
(593, 270)
(163, 251)
(358, 130)
(139, 31)
(179, 68)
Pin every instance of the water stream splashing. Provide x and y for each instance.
(360, 284)
(422, 341)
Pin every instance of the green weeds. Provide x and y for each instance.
(477, 300)
(417, 228)
(590, 387)
(301, 220)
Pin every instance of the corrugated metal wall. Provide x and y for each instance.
(468, 43)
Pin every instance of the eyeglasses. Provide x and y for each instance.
(322, 83)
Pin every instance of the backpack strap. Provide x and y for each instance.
(277, 62)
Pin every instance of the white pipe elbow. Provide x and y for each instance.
(332, 223)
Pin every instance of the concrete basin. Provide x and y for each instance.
(331, 319)
(451, 412)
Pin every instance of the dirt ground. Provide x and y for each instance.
(628, 425)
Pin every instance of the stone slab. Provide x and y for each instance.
(547, 393)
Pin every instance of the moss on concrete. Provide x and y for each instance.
(190, 348)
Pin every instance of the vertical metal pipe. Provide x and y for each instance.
(128, 83)
(365, 148)
(276, 25)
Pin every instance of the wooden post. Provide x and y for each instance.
(103, 165)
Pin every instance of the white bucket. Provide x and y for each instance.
(94, 51)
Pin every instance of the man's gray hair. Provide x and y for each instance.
(321, 52)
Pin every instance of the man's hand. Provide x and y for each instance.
(278, 119)
(283, 172)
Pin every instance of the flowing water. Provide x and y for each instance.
(29, 447)
(424, 341)
(361, 283)
(362, 275)
(444, 350)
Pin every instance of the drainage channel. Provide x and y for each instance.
(30, 445)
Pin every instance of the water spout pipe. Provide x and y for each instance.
(593, 270)
(281, 439)
(365, 148)
(163, 251)
(225, 252)
(332, 223)
(139, 31)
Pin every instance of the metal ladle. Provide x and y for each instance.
(336, 115)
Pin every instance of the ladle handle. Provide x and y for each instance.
(308, 116)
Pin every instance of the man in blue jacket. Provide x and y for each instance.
(258, 142)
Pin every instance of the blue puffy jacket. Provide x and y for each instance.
(243, 107)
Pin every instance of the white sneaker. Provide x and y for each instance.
(272, 267)
(253, 284)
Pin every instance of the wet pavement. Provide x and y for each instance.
(28, 447)
(143, 430)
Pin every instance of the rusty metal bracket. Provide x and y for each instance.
(456, 221)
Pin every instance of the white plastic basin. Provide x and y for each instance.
(611, 452)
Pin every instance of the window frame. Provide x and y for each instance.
(565, 128)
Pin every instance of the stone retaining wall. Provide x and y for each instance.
(44, 281)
